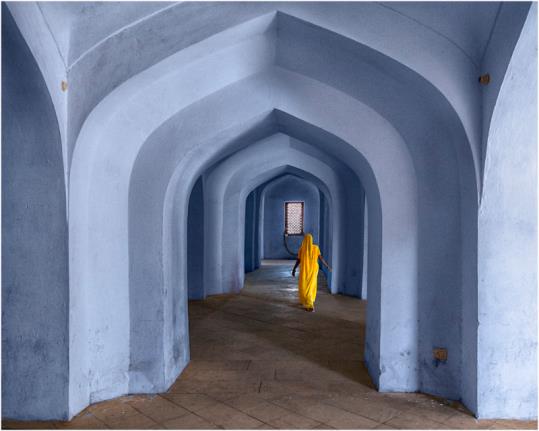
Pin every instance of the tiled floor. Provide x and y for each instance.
(258, 361)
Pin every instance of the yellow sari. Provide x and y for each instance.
(308, 271)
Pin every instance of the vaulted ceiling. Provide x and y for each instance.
(97, 46)
(80, 26)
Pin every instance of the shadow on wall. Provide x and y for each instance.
(34, 241)
(195, 242)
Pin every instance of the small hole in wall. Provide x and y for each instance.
(440, 355)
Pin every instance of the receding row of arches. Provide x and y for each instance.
(168, 176)
(337, 192)
(243, 127)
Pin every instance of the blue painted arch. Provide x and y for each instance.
(260, 79)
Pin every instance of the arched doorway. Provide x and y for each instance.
(150, 208)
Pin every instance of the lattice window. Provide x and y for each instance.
(293, 218)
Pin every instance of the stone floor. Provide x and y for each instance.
(258, 361)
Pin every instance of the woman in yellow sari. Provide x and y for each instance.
(308, 256)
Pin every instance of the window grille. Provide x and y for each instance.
(293, 218)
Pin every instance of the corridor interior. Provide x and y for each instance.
(259, 361)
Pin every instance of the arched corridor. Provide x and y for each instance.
(259, 361)
(151, 153)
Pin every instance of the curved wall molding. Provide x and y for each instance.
(35, 283)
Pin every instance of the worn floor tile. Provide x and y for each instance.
(293, 421)
(191, 402)
(466, 421)
(245, 402)
(377, 412)
(112, 410)
(336, 417)
(433, 411)
(82, 421)
(384, 427)
(512, 424)
(9, 424)
(136, 422)
(187, 422)
(265, 427)
(266, 411)
(159, 409)
(228, 417)
(409, 421)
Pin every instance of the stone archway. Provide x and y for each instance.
(122, 168)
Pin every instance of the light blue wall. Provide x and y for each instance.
(34, 241)
(507, 296)
(388, 92)
(85, 44)
(195, 242)
(325, 236)
(508, 25)
(166, 144)
(288, 188)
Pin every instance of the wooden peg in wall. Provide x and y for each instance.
(484, 79)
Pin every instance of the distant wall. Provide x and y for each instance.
(288, 188)
(34, 241)
(507, 252)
